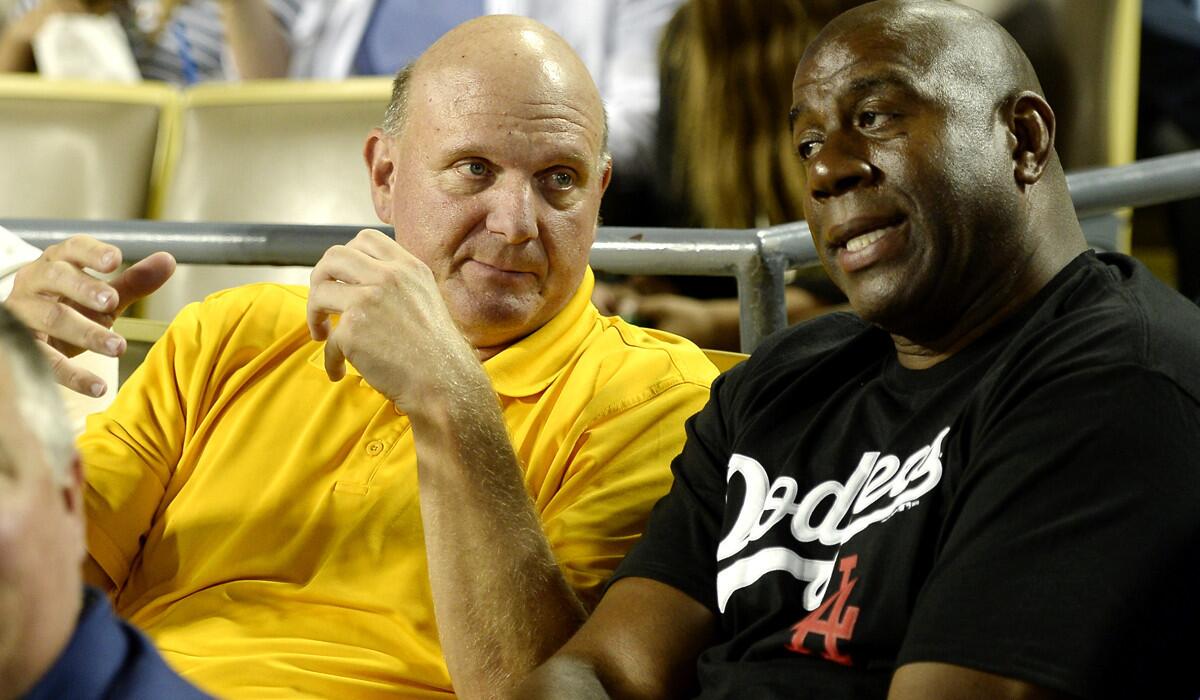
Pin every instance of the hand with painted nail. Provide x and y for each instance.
(70, 310)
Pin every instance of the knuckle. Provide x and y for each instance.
(373, 295)
(52, 315)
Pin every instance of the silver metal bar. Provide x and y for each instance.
(757, 258)
(1140, 184)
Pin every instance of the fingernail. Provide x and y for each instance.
(98, 389)
(103, 298)
(113, 345)
(108, 259)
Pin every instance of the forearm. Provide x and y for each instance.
(563, 676)
(502, 604)
(258, 42)
(16, 52)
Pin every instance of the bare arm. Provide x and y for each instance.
(501, 602)
(641, 642)
(16, 42)
(938, 681)
(715, 323)
(259, 43)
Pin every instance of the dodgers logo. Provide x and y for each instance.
(880, 486)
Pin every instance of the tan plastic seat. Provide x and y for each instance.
(725, 360)
(266, 152)
(273, 152)
(78, 150)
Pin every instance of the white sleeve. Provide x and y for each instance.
(15, 253)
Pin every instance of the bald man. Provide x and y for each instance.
(440, 516)
(983, 486)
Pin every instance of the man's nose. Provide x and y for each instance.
(838, 168)
(513, 211)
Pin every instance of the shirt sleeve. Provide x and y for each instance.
(131, 451)
(1069, 555)
(618, 468)
(680, 544)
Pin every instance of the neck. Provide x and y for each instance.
(38, 650)
(995, 301)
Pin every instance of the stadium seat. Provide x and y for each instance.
(266, 152)
(79, 150)
(725, 360)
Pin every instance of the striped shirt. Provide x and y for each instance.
(191, 45)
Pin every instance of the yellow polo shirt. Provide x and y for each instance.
(262, 523)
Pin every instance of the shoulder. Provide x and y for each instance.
(628, 364)
(253, 305)
(1110, 312)
(793, 353)
(233, 325)
(625, 351)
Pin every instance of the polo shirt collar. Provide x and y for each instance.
(531, 364)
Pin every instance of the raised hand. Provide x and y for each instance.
(394, 326)
(69, 310)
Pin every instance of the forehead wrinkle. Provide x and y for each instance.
(891, 75)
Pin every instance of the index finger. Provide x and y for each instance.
(86, 251)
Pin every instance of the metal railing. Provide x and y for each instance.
(757, 258)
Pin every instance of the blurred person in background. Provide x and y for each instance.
(617, 40)
(1169, 115)
(58, 638)
(177, 41)
(725, 158)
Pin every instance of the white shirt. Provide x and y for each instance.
(617, 40)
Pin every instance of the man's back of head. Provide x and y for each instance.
(41, 520)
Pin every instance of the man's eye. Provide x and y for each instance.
(869, 119)
(473, 168)
(561, 180)
(808, 149)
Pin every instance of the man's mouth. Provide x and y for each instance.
(859, 242)
(864, 241)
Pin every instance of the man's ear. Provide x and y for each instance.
(1031, 134)
(378, 154)
(73, 502)
(605, 174)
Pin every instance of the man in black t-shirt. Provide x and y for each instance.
(986, 485)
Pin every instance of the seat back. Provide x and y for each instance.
(725, 360)
(79, 150)
(273, 152)
(266, 152)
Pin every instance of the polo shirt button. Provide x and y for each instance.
(374, 447)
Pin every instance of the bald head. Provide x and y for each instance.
(513, 55)
(965, 57)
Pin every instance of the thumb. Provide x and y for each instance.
(142, 278)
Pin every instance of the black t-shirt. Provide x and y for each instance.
(1029, 507)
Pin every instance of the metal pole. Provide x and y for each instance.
(1140, 184)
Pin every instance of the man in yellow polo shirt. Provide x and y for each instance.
(279, 534)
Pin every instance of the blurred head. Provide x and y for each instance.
(727, 66)
(41, 517)
(491, 167)
(931, 180)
